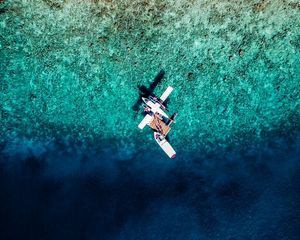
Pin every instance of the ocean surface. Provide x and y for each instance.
(74, 165)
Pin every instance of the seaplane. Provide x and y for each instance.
(158, 120)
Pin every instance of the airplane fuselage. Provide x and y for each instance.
(155, 107)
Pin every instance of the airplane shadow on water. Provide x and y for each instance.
(145, 92)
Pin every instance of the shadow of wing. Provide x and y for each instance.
(146, 92)
(156, 80)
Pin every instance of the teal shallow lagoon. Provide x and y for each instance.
(70, 64)
(70, 72)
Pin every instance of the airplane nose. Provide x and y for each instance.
(145, 100)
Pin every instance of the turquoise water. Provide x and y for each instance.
(75, 65)
(69, 77)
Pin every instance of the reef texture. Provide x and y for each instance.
(71, 68)
(74, 165)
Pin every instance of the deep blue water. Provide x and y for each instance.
(74, 68)
(61, 190)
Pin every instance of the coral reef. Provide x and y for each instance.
(73, 67)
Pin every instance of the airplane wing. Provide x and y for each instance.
(166, 93)
(146, 120)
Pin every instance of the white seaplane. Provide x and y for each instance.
(154, 118)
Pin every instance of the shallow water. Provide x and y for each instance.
(75, 165)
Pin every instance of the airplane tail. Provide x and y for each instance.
(164, 144)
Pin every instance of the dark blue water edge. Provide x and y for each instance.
(66, 189)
